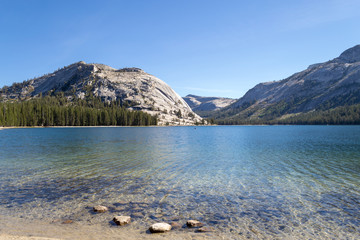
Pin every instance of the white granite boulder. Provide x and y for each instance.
(160, 227)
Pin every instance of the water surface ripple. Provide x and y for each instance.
(259, 182)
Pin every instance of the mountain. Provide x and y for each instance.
(202, 105)
(320, 88)
(135, 89)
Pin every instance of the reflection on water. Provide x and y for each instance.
(247, 182)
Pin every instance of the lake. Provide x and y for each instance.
(257, 182)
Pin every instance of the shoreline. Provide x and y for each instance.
(16, 237)
(161, 126)
(154, 126)
(13, 228)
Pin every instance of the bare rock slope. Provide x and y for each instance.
(321, 86)
(138, 89)
(198, 103)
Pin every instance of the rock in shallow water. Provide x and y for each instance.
(205, 229)
(160, 227)
(122, 220)
(137, 214)
(175, 225)
(193, 223)
(67, 221)
(100, 209)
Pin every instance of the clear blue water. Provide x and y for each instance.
(245, 181)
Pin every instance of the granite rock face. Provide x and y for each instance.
(198, 103)
(138, 89)
(329, 84)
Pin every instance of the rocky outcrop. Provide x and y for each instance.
(198, 103)
(135, 88)
(351, 55)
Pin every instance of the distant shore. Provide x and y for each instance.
(195, 126)
(3, 128)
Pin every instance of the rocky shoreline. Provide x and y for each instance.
(118, 227)
(159, 227)
(12, 228)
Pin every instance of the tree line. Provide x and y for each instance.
(59, 111)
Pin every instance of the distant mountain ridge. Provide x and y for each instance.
(132, 86)
(199, 104)
(322, 86)
(324, 93)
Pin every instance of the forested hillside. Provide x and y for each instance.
(145, 91)
(59, 111)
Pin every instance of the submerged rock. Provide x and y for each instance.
(67, 221)
(119, 209)
(122, 220)
(160, 227)
(175, 225)
(205, 229)
(194, 223)
(100, 209)
(137, 209)
(137, 214)
(120, 203)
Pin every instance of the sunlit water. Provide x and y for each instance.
(258, 182)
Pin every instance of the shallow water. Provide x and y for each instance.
(259, 182)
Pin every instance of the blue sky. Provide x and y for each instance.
(203, 47)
